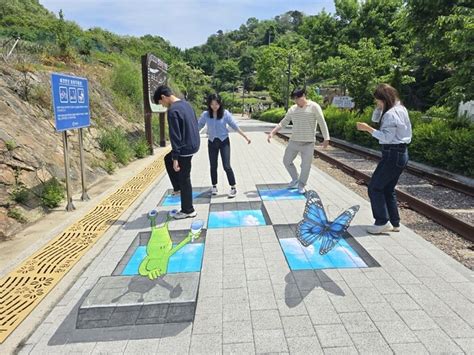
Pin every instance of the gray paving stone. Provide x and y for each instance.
(209, 323)
(306, 279)
(210, 290)
(297, 326)
(436, 341)
(258, 287)
(334, 335)
(266, 319)
(236, 312)
(402, 302)
(235, 281)
(206, 344)
(235, 295)
(346, 304)
(368, 295)
(396, 332)
(376, 274)
(291, 307)
(323, 315)
(467, 345)
(237, 332)
(358, 322)
(403, 277)
(175, 339)
(257, 274)
(388, 286)
(270, 341)
(142, 346)
(304, 345)
(409, 349)
(239, 348)
(284, 291)
(455, 327)
(262, 301)
(417, 320)
(343, 350)
(209, 305)
(110, 347)
(370, 343)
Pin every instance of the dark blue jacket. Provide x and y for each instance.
(183, 129)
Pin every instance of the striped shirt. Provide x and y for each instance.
(305, 122)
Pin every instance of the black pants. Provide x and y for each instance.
(382, 194)
(214, 148)
(181, 180)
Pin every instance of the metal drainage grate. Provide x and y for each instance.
(24, 288)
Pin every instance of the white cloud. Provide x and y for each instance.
(185, 23)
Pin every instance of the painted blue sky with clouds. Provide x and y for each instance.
(185, 23)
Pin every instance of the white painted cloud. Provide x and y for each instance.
(185, 23)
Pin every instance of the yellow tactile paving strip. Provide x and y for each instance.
(24, 288)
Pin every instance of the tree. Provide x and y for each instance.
(226, 74)
(361, 69)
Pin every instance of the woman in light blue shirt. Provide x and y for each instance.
(394, 135)
(217, 119)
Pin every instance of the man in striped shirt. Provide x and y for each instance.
(305, 115)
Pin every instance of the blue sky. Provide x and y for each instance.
(185, 23)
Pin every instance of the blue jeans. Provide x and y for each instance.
(382, 195)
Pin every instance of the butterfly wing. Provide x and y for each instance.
(314, 209)
(328, 241)
(342, 222)
(307, 232)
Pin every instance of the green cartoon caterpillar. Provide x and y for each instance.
(160, 247)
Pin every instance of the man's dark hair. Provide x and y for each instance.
(298, 92)
(161, 90)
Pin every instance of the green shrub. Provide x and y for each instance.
(52, 193)
(141, 148)
(127, 88)
(15, 213)
(20, 194)
(115, 141)
(273, 115)
(155, 127)
(108, 164)
(10, 144)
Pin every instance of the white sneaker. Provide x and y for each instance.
(214, 190)
(182, 215)
(395, 229)
(375, 229)
(232, 192)
(293, 184)
(301, 190)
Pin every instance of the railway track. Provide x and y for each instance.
(447, 201)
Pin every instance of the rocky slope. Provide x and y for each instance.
(31, 151)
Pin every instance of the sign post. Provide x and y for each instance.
(154, 74)
(70, 95)
(343, 102)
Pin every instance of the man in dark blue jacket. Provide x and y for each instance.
(185, 141)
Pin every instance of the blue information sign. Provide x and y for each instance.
(70, 101)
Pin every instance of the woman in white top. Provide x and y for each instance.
(394, 135)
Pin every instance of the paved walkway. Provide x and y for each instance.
(418, 301)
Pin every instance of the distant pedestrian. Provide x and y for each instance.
(394, 135)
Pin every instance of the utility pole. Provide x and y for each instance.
(288, 83)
